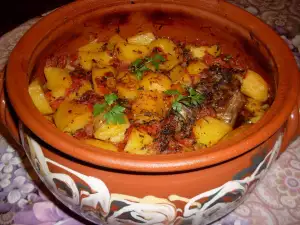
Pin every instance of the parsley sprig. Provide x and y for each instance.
(193, 99)
(99, 108)
(110, 98)
(138, 67)
(115, 115)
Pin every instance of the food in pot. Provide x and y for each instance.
(149, 95)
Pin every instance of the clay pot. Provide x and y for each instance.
(186, 188)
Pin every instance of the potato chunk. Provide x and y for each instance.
(58, 81)
(214, 50)
(208, 130)
(196, 67)
(127, 85)
(101, 144)
(115, 39)
(178, 75)
(144, 38)
(138, 142)
(256, 108)
(198, 52)
(149, 106)
(164, 44)
(38, 97)
(166, 65)
(257, 117)
(110, 132)
(93, 52)
(253, 105)
(170, 51)
(86, 59)
(71, 116)
(92, 47)
(130, 52)
(155, 82)
(254, 86)
(170, 63)
(104, 80)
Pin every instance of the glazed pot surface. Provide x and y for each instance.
(69, 27)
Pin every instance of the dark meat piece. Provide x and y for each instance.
(205, 111)
(164, 143)
(176, 126)
(185, 120)
(218, 86)
(222, 73)
(233, 108)
(168, 126)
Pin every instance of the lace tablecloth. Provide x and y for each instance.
(276, 200)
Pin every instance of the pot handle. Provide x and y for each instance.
(292, 129)
(5, 115)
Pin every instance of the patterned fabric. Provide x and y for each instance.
(276, 201)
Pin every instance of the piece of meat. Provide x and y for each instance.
(185, 120)
(232, 108)
(164, 141)
(218, 85)
(205, 111)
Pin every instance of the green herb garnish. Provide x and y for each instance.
(176, 106)
(110, 98)
(193, 99)
(172, 92)
(99, 108)
(115, 115)
(156, 60)
(139, 66)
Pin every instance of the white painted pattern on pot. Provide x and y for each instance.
(95, 204)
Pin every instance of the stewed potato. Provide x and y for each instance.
(58, 81)
(149, 106)
(38, 97)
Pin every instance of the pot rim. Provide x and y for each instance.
(17, 84)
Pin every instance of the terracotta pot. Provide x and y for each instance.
(187, 188)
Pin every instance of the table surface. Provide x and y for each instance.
(276, 200)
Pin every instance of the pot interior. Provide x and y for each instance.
(176, 22)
